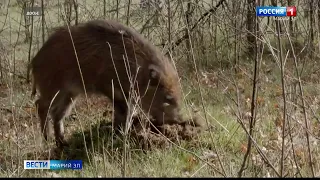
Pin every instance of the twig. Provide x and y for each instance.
(263, 156)
(203, 16)
(6, 110)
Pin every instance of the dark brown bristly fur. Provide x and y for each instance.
(112, 58)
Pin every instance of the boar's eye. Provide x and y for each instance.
(169, 97)
(154, 76)
(153, 72)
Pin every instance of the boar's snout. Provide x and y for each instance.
(168, 114)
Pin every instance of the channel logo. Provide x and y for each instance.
(276, 11)
(53, 164)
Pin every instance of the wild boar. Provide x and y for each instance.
(114, 61)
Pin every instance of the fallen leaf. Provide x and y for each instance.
(243, 148)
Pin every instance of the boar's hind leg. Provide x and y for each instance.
(42, 106)
(120, 115)
(60, 108)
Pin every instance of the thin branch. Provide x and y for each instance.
(203, 16)
(253, 101)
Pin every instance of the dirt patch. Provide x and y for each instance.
(160, 137)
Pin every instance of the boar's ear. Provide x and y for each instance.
(154, 75)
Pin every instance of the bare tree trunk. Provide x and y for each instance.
(42, 21)
(318, 11)
(311, 31)
(275, 3)
(76, 10)
(235, 9)
(250, 25)
(188, 13)
(118, 4)
(59, 11)
(157, 14)
(68, 11)
(254, 94)
(169, 21)
(104, 8)
(291, 23)
(128, 12)
(30, 46)
(26, 22)
(283, 83)
(2, 58)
